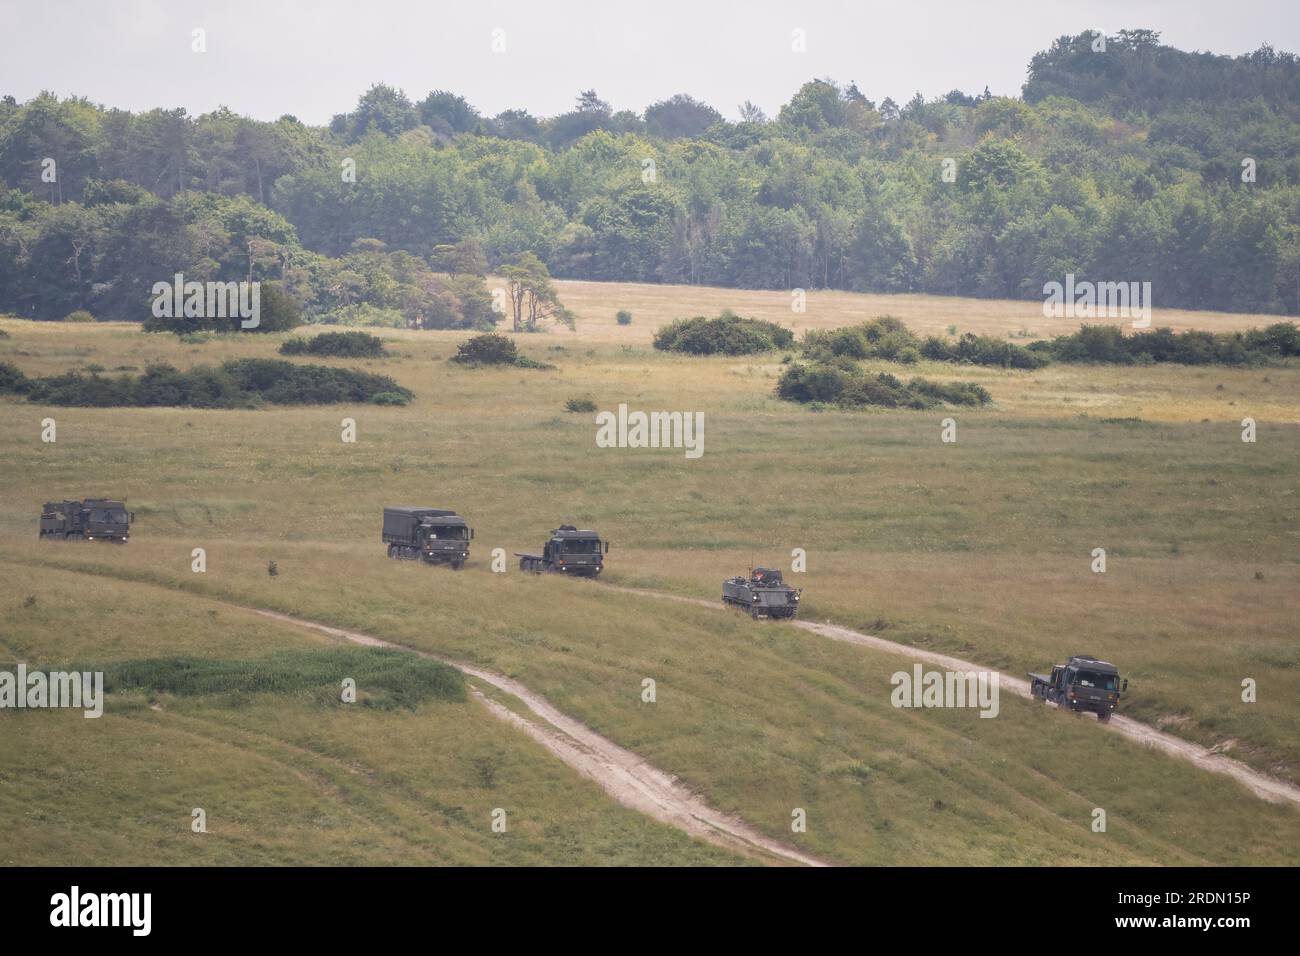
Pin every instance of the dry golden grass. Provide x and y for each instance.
(597, 304)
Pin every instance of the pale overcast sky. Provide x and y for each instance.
(312, 59)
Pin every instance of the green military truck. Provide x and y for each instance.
(569, 551)
(95, 519)
(432, 535)
(1082, 684)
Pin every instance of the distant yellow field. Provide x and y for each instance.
(597, 303)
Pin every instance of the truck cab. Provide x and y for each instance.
(1083, 684)
(107, 520)
(445, 539)
(569, 550)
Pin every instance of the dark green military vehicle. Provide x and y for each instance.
(433, 535)
(95, 519)
(1082, 684)
(762, 594)
(569, 551)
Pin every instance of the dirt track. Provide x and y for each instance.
(622, 774)
(1262, 785)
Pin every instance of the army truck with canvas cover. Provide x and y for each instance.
(569, 551)
(1082, 684)
(434, 535)
(763, 594)
(95, 519)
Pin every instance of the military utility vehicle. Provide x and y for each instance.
(434, 535)
(763, 594)
(1081, 684)
(95, 519)
(569, 551)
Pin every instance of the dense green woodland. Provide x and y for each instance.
(1119, 165)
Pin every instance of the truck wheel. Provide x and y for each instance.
(1103, 716)
(457, 564)
(392, 552)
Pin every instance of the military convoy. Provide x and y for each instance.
(433, 535)
(569, 551)
(1082, 684)
(95, 519)
(762, 594)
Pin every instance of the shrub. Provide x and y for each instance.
(1107, 344)
(982, 350)
(285, 383)
(888, 338)
(580, 405)
(237, 384)
(79, 315)
(624, 317)
(490, 348)
(12, 379)
(843, 383)
(347, 344)
(728, 334)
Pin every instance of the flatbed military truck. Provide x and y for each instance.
(762, 594)
(432, 535)
(569, 551)
(1082, 684)
(95, 519)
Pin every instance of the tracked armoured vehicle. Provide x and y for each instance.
(1082, 684)
(432, 535)
(762, 594)
(95, 519)
(569, 551)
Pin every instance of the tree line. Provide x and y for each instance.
(1133, 162)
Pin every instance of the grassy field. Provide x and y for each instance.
(980, 548)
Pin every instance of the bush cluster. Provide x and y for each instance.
(728, 334)
(1108, 345)
(981, 350)
(346, 344)
(493, 348)
(842, 383)
(888, 338)
(243, 383)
